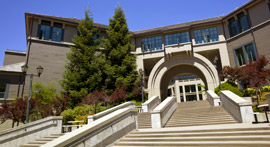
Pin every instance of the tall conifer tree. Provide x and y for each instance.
(83, 72)
(120, 62)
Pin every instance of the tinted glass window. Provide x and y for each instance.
(240, 56)
(206, 35)
(177, 38)
(243, 22)
(45, 29)
(2, 89)
(151, 44)
(251, 55)
(57, 32)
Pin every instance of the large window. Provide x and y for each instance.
(238, 26)
(206, 35)
(3, 89)
(46, 32)
(245, 54)
(177, 38)
(57, 32)
(151, 44)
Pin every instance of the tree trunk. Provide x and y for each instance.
(18, 123)
(13, 122)
(257, 96)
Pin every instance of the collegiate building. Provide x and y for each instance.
(175, 59)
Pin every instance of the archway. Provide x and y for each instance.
(165, 69)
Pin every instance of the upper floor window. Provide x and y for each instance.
(243, 22)
(206, 35)
(57, 32)
(245, 54)
(238, 26)
(177, 38)
(46, 32)
(151, 43)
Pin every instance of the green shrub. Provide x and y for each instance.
(256, 109)
(229, 86)
(67, 116)
(45, 94)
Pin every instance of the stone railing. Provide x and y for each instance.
(162, 113)
(31, 131)
(92, 118)
(151, 104)
(238, 107)
(102, 132)
(213, 98)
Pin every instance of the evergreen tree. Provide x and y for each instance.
(83, 72)
(120, 62)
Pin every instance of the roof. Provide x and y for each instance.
(15, 52)
(64, 19)
(12, 67)
(179, 26)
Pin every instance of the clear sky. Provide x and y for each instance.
(140, 14)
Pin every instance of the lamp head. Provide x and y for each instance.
(39, 70)
(24, 68)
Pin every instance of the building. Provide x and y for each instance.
(164, 53)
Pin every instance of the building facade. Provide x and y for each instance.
(164, 53)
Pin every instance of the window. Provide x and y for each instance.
(238, 26)
(177, 38)
(151, 44)
(245, 54)
(206, 35)
(193, 89)
(57, 32)
(187, 88)
(243, 22)
(200, 97)
(4, 86)
(46, 32)
(181, 89)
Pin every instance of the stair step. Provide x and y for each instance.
(30, 145)
(37, 142)
(195, 143)
(212, 138)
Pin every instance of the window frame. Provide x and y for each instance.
(156, 40)
(6, 89)
(180, 36)
(205, 35)
(52, 26)
(245, 53)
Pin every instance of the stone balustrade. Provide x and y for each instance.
(92, 118)
(238, 107)
(213, 98)
(102, 132)
(151, 104)
(31, 131)
(162, 113)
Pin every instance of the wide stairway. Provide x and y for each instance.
(199, 113)
(229, 135)
(42, 141)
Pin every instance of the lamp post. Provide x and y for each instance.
(39, 72)
(215, 63)
(141, 73)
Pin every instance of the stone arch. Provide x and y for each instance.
(165, 69)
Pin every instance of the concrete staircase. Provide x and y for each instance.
(199, 113)
(144, 120)
(41, 141)
(210, 135)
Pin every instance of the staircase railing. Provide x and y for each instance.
(163, 112)
(102, 132)
(151, 104)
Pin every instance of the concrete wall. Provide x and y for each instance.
(30, 132)
(13, 57)
(52, 57)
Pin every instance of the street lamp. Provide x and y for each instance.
(215, 63)
(24, 69)
(141, 73)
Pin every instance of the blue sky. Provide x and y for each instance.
(140, 14)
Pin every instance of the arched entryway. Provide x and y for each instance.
(166, 69)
